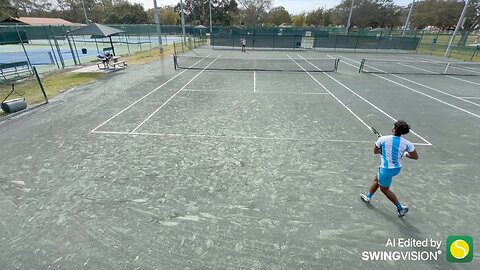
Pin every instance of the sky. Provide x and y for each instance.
(292, 6)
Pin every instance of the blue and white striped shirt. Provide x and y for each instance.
(393, 148)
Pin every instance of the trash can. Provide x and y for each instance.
(84, 50)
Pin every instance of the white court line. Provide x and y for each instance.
(471, 97)
(346, 107)
(431, 88)
(449, 76)
(254, 78)
(416, 91)
(158, 109)
(233, 137)
(258, 92)
(371, 104)
(438, 62)
(463, 80)
(140, 99)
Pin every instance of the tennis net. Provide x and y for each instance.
(420, 67)
(257, 64)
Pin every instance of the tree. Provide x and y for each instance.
(278, 16)
(254, 11)
(127, 13)
(168, 16)
(439, 13)
(315, 18)
(367, 13)
(225, 12)
(472, 19)
(299, 19)
(7, 10)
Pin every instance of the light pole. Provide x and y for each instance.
(210, 5)
(85, 12)
(460, 21)
(349, 17)
(157, 22)
(183, 22)
(407, 22)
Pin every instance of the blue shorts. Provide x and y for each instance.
(386, 175)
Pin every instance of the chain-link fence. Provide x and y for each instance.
(48, 48)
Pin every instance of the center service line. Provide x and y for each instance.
(371, 104)
(140, 99)
(135, 129)
(346, 107)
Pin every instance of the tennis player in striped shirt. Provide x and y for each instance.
(392, 149)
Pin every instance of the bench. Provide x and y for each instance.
(117, 62)
(113, 62)
(15, 70)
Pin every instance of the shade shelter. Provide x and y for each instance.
(200, 27)
(97, 30)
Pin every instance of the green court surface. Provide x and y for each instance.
(157, 168)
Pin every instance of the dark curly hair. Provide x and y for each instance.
(401, 128)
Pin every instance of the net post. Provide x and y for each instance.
(175, 62)
(40, 83)
(361, 65)
(337, 61)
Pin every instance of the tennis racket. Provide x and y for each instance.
(376, 132)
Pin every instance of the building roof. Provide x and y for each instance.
(38, 21)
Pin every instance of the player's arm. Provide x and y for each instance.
(412, 155)
(377, 150)
(411, 152)
(378, 146)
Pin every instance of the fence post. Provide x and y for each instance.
(475, 52)
(51, 47)
(356, 42)
(336, 40)
(40, 83)
(23, 46)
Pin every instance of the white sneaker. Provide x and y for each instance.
(365, 198)
(403, 211)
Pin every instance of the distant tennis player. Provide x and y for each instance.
(243, 41)
(392, 148)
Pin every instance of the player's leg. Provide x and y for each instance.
(385, 180)
(402, 209)
(373, 188)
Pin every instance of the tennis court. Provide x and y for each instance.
(240, 161)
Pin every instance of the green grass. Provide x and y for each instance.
(149, 56)
(54, 84)
(58, 82)
(439, 48)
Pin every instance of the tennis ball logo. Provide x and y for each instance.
(459, 248)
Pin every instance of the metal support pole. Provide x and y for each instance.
(183, 22)
(23, 47)
(157, 22)
(407, 22)
(210, 5)
(459, 24)
(85, 12)
(349, 17)
(40, 83)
